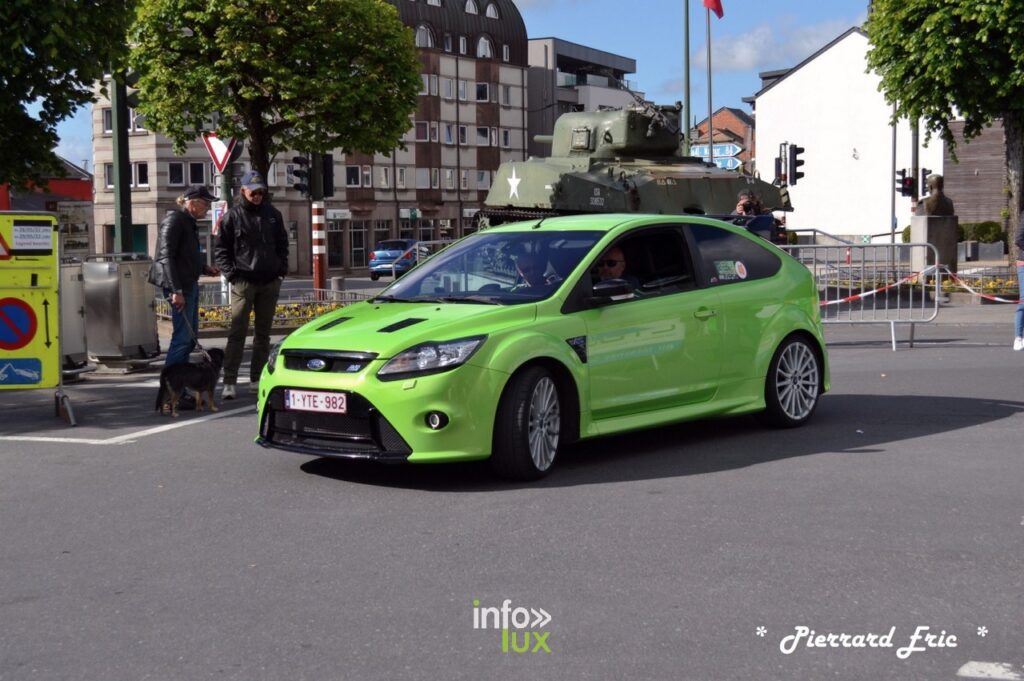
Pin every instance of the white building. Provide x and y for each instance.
(830, 105)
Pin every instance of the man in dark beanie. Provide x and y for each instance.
(252, 252)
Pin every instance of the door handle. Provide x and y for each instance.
(705, 313)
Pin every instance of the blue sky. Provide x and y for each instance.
(753, 36)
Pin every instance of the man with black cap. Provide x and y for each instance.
(252, 252)
(176, 269)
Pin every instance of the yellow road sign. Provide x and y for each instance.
(29, 301)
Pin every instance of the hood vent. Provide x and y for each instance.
(333, 322)
(401, 325)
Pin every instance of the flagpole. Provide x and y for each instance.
(684, 123)
(711, 134)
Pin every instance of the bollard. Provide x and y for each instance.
(337, 283)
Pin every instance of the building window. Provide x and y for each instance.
(462, 90)
(463, 44)
(484, 50)
(483, 92)
(449, 133)
(506, 138)
(506, 53)
(176, 174)
(421, 131)
(385, 177)
(447, 42)
(424, 36)
(367, 176)
(272, 175)
(433, 85)
(108, 120)
(435, 178)
(463, 135)
(481, 137)
(140, 174)
(400, 179)
(448, 88)
(352, 176)
(506, 95)
(435, 3)
(196, 173)
(471, 7)
(433, 131)
(483, 179)
(494, 137)
(423, 178)
(492, 11)
(424, 84)
(464, 179)
(136, 121)
(449, 178)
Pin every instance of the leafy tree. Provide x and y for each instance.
(310, 76)
(52, 53)
(966, 57)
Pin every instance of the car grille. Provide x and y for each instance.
(334, 361)
(362, 433)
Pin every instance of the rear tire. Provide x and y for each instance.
(528, 426)
(793, 384)
(374, 276)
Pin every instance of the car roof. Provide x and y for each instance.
(606, 222)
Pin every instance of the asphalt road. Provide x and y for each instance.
(130, 552)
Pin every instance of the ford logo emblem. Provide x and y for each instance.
(316, 364)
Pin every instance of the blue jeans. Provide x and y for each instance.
(182, 341)
(1020, 306)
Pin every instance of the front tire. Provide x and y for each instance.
(528, 426)
(374, 276)
(793, 384)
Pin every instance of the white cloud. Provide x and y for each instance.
(780, 45)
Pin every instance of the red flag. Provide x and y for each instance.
(715, 6)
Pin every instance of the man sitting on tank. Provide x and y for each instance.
(748, 203)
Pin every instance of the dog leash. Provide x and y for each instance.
(195, 339)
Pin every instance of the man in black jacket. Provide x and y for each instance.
(252, 252)
(177, 266)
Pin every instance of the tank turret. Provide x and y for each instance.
(627, 160)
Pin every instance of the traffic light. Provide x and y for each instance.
(925, 172)
(794, 164)
(301, 173)
(905, 183)
(328, 175)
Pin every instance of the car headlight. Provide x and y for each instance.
(430, 358)
(272, 357)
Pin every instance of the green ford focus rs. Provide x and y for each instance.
(519, 339)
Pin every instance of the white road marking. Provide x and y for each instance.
(128, 437)
(991, 670)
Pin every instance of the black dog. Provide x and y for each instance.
(201, 378)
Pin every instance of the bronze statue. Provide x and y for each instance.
(936, 203)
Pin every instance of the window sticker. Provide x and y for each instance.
(741, 269)
(726, 270)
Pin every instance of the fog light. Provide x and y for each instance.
(436, 420)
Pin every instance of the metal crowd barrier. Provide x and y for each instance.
(874, 283)
(294, 307)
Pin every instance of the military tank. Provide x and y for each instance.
(627, 160)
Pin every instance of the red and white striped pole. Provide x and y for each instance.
(319, 247)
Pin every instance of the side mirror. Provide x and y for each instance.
(609, 291)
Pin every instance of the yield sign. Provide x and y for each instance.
(220, 150)
(5, 250)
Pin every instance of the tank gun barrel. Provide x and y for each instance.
(544, 139)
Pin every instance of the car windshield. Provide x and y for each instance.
(391, 246)
(503, 268)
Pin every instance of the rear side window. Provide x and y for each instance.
(728, 258)
(392, 245)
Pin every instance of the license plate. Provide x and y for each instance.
(312, 400)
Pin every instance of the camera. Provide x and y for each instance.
(747, 206)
